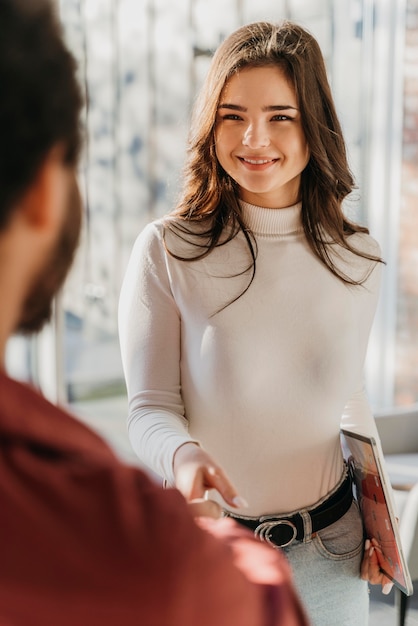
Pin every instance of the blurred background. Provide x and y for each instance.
(140, 64)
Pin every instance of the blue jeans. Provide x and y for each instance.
(326, 571)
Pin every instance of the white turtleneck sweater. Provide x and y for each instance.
(265, 384)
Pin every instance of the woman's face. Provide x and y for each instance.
(259, 138)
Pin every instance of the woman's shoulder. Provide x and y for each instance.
(152, 230)
(160, 227)
(148, 244)
(363, 261)
(365, 244)
(152, 235)
(181, 237)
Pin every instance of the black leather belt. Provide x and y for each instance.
(282, 531)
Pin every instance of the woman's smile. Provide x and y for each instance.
(257, 164)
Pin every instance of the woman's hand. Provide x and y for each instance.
(201, 507)
(371, 566)
(195, 473)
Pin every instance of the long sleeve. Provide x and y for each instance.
(357, 415)
(149, 331)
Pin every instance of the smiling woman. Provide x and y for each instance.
(260, 141)
(260, 294)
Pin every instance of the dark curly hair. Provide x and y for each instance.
(40, 99)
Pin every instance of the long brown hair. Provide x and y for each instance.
(210, 195)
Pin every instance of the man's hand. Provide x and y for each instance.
(373, 560)
(195, 473)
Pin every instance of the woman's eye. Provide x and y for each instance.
(231, 116)
(281, 118)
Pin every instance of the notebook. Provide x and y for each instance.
(374, 495)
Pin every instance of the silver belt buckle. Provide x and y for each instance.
(263, 532)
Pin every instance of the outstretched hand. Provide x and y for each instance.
(195, 473)
(373, 561)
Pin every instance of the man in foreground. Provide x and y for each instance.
(85, 539)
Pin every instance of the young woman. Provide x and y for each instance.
(245, 317)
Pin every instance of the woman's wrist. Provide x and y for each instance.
(184, 452)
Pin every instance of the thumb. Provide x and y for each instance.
(387, 588)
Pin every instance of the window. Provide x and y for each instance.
(141, 64)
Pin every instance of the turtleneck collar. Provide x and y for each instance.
(272, 221)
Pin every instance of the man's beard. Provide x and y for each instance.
(37, 309)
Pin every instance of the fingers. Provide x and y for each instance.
(196, 472)
(386, 583)
(364, 569)
(205, 508)
(371, 566)
(387, 588)
(219, 481)
(374, 572)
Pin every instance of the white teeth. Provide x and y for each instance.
(257, 161)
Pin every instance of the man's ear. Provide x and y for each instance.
(43, 203)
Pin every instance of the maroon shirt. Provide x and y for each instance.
(87, 540)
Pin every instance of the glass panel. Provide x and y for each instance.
(406, 354)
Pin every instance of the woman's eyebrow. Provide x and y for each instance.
(271, 107)
(234, 107)
(280, 107)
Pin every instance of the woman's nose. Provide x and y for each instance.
(256, 136)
